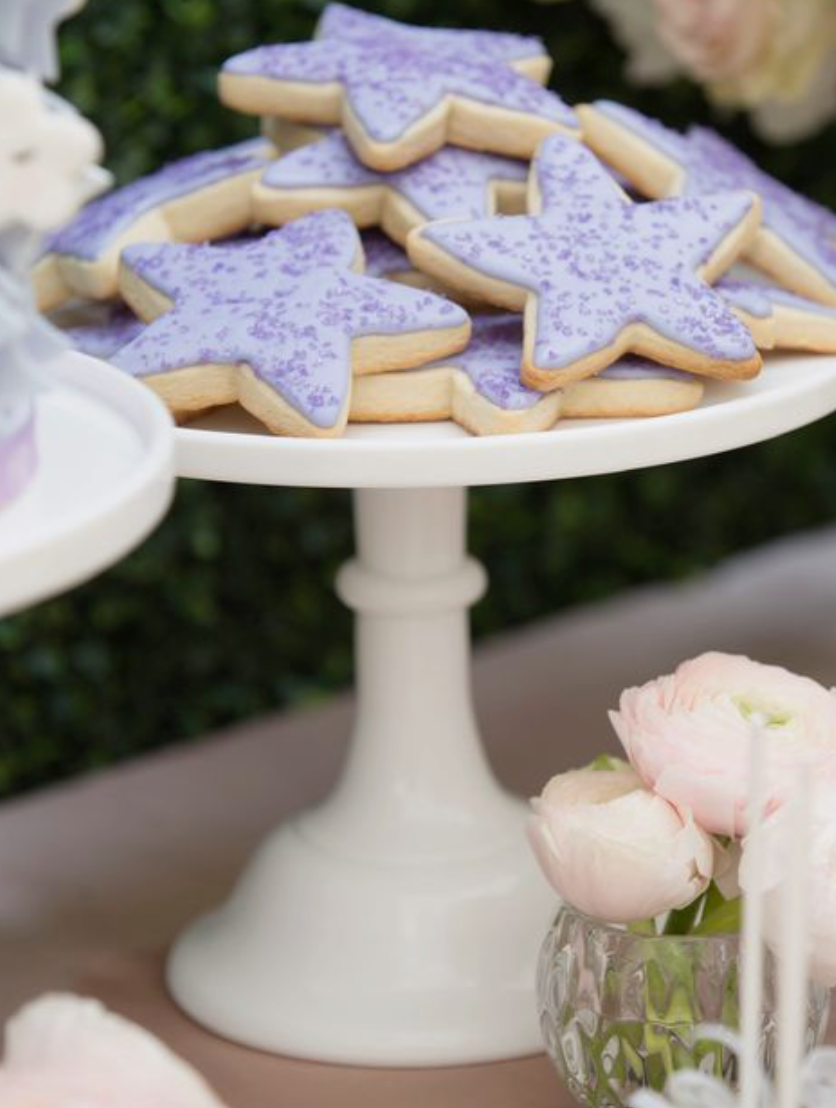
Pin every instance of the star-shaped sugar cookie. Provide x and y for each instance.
(203, 196)
(599, 276)
(782, 319)
(480, 388)
(450, 184)
(796, 244)
(278, 324)
(402, 92)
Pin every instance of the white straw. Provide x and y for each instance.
(792, 948)
(751, 983)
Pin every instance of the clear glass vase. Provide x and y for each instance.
(618, 1010)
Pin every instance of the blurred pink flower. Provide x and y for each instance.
(67, 1052)
(715, 39)
(614, 850)
(774, 58)
(688, 734)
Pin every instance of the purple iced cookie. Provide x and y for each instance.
(493, 358)
(603, 276)
(450, 184)
(201, 197)
(286, 308)
(480, 388)
(797, 241)
(384, 258)
(394, 77)
(102, 222)
(797, 323)
(760, 299)
(100, 337)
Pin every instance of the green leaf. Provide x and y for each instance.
(724, 919)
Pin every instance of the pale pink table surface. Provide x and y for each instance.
(97, 876)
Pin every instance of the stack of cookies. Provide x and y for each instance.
(504, 278)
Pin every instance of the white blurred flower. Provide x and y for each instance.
(774, 58)
(693, 1089)
(47, 156)
(822, 879)
(66, 1052)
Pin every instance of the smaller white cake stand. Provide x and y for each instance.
(398, 923)
(105, 478)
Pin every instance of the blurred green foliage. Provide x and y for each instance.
(228, 610)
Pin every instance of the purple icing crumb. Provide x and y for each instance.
(102, 221)
(452, 183)
(287, 305)
(598, 263)
(712, 164)
(393, 74)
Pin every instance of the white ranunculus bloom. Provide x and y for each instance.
(616, 851)
(688, 734)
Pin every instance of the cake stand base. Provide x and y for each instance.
(399, 922)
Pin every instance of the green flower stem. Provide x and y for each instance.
(642, 927)
(724, 918)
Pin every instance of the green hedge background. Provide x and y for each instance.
(227, 610)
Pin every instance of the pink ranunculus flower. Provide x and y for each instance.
(614, 850)
(715, 39)
(773, 56)
(63, 1051)
(821, 891)
(688, 734)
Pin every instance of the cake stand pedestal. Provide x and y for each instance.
(105, 478)
(398, 923)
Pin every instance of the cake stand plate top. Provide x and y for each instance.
(228, 445)
(105, 477)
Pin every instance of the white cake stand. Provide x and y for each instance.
(398, 923)
(105, 478)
